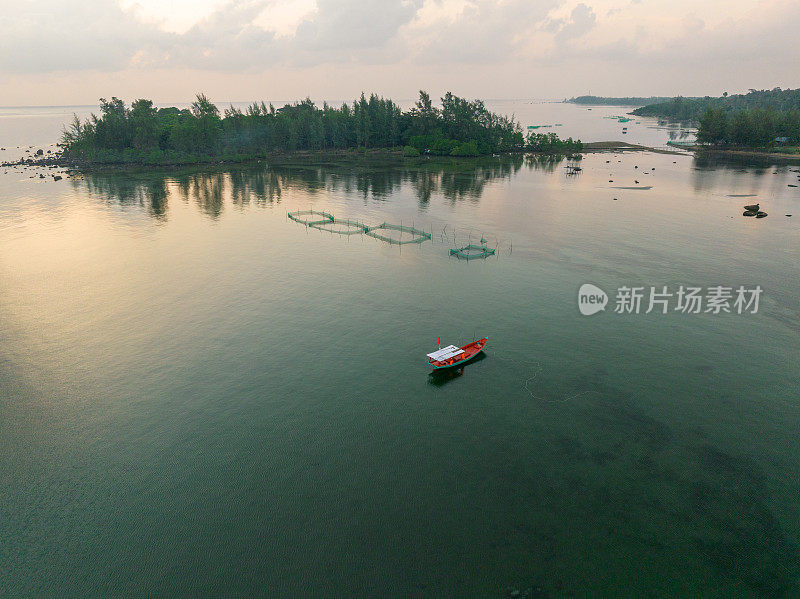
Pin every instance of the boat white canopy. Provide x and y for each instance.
(445, 353)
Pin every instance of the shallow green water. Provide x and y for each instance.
(199, 396)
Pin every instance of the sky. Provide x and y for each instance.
(63, 52)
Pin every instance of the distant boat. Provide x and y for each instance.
(450, 356)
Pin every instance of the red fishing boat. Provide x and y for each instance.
(450, 356)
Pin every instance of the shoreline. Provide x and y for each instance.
(376, 156)
(383, 156)
(623, 146)
(781, 157)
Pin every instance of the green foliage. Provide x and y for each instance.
(145, 134)
(410, 152)
(713, 126)
(550, 143)
(467, 148)
(754, 128)
(692, 109)
(436, 144)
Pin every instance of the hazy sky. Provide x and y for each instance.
(74, 51)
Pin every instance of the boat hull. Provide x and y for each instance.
(471, 350)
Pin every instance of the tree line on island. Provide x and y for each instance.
(757, 119)
(143, 133)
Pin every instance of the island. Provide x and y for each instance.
(142, 134)
(765, 122)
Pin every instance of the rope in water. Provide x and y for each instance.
(537, 370)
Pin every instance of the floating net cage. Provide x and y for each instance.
(341, 226)
(471, 252)
(417, 236)
(311, 218)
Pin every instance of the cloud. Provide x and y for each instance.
(345, 25)
(456, 39)
(52, 35)
(582, 20)
(481, 31)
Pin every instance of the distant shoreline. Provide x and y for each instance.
(622, 101)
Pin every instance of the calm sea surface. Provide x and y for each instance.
(199, 396)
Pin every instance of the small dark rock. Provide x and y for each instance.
(56, 177)
(39, 152)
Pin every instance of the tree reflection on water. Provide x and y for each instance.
(261, 185)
